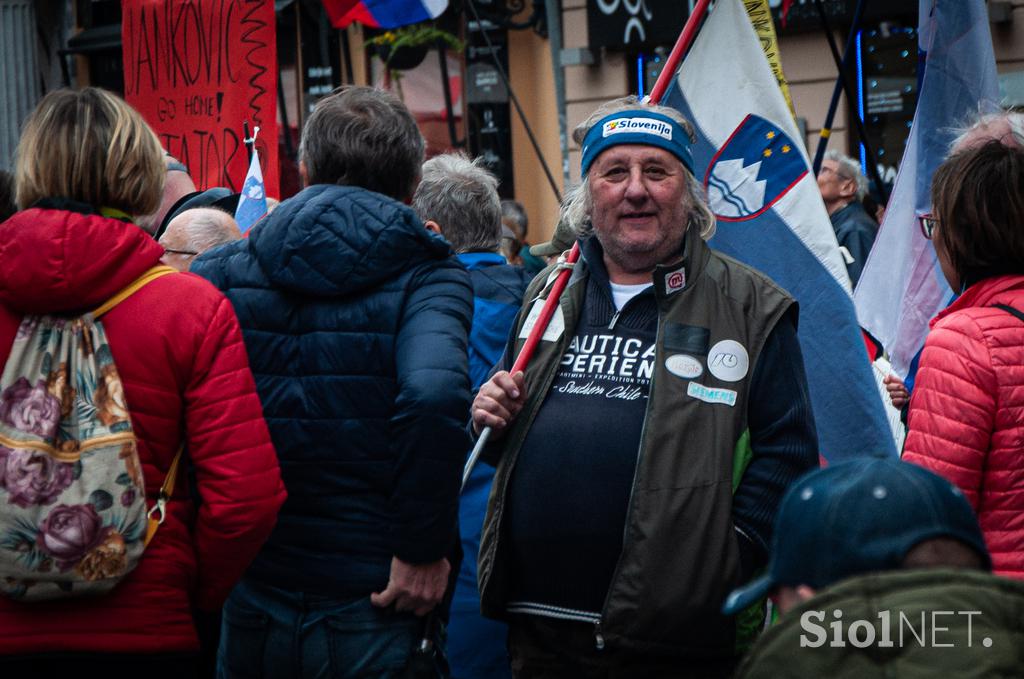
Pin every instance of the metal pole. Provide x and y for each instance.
(449, 111)
(826, 130)
(515, 99)
(554, 21)
(679, 51)
(872, 168)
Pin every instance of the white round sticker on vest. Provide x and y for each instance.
(684, 366)
(728, 361)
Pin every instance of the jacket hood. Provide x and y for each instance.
(59, 261)
(334, 240)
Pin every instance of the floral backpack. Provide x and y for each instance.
(73, 517)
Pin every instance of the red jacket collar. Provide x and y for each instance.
(59, 261)
(982, 293)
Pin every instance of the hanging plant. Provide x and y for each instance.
(404, 48)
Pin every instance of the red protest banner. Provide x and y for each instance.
(196, 69)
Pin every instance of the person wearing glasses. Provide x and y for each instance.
(195, 231)
(965, 411)
(843, 187)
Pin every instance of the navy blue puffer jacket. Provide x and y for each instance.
(355, 318)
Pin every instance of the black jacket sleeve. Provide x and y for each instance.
(783, 439)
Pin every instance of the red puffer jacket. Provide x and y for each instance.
(179, 351)
(967, 411)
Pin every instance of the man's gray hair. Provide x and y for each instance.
(462, 197)
(849, 169)
(366, 137)
(204, 228)
(979, 122)
(578, 201)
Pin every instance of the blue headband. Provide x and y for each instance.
(637, 126)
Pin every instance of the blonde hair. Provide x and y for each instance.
(90, 146)
(578, 201)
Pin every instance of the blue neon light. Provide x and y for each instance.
(640, 76)
(860, 100)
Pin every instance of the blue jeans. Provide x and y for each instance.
(270, 632)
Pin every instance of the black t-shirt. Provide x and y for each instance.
(569, 492)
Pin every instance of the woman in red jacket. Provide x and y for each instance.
(967, 410)
(85, 164)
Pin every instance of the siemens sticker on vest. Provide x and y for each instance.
(708, 395)
(642, 125)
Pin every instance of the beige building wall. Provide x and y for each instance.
(1008, 41)
(533, 81)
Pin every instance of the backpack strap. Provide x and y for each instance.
(1010, 310)
(148, 277)
(156, 514)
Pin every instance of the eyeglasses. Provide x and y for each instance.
(928, 224)
(172, 251)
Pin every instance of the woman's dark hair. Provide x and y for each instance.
(978, 198)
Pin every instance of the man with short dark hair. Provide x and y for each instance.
(872, 540)
(355, 318)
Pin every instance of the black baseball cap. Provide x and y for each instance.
(857, 517)
(216, 197)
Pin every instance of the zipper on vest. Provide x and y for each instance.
(599, 639)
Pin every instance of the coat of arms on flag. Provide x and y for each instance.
(756, 167)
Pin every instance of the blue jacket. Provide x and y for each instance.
(476, 645)
(498, 290)
(355, 318)
(855, 231)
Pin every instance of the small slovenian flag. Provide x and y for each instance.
(383, 13)
(252, 205)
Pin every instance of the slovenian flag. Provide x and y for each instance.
(252, 204)
(902, 286)
(752, 162)
(383, 13)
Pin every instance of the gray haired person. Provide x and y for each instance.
(458, 199)
(642, 454)
(843, 186)
(1006, 127)
(195, 231)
